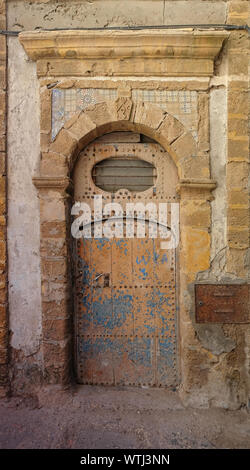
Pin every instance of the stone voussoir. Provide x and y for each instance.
(80, 125)
(64, 144)
(148, 115)
(171, 128)
(100, 114)
(185, 146)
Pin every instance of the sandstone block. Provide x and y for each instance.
(2, 143)
(185, 146)
(170, 128)
(100, 114)
(2, 77)
(2, 164)
(3, 374)
(237, 175)
(3, 337)
(53, 164)
(238, 216)
(238, 197)
(237, 262)
(2, 186)
(45, 110)
(195, 248)
(194, 167)
(81, 125)
(238, 238)
(237, 102)
(54, 245)
(203, 126)
(55, 310)
(238, 127)
(238, 63)
(148, 115)
(3, 316)
(238, 149)
(3, 355)
(57, 329)
(52, 210)
(54, 269)
(64, 144)
(122, 108)
(195, 213)
(56, 353)
(54, 229)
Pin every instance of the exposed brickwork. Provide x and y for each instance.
(3, 251)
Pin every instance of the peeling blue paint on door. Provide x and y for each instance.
(127, 328)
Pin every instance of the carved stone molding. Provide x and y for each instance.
(138, 53)
(44, 182)
(196, 188)
(197, 184)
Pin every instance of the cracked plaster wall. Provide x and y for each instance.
(103, 13)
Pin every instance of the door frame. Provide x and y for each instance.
(55, 192)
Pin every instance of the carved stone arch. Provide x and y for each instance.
(54, 184)
(124, 115)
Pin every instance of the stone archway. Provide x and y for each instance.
(123, 114)
(54, 185)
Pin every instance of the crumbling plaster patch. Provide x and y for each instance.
(213, 338)
(190, 12)
(218, 136)
(23, 204)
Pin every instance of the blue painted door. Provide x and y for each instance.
(126, 304)
(125, 289)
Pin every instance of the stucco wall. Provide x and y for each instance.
(23, 219)
(103, 13)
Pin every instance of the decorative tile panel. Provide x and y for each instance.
(181, 104)
(65, 103)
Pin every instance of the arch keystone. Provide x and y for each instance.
(123, 107)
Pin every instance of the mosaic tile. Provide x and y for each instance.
(181, 104)
(65, 103)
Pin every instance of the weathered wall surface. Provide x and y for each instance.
(4, 383)
(103, 13)
(218, 351)
(23, 223)
(218, 129)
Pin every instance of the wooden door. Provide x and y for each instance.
(125, 288)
